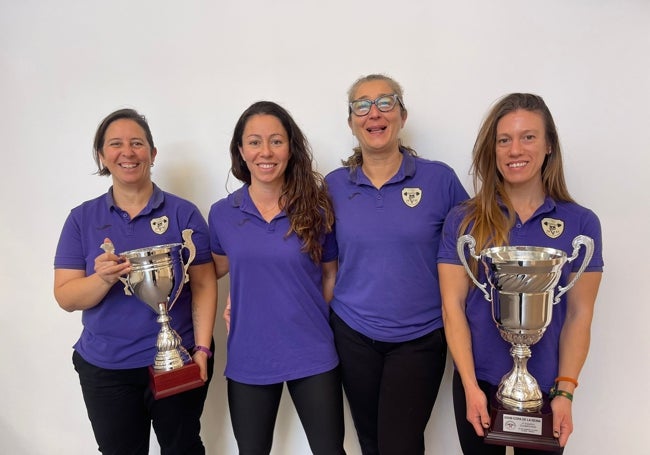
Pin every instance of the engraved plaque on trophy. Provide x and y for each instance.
(521, 288)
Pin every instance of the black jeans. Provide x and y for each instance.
(391, 387)
(122, 409)
(470, 442)
(318, 400)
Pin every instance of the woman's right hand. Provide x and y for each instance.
(109, 266)
(477, 412)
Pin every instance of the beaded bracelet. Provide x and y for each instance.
(202, 349)
(566, 379)
(554, 392)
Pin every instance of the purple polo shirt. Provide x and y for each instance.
(279, 329)
(120, 332)
(492, 358)
(387, 282)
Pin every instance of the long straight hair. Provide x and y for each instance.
(490, 226)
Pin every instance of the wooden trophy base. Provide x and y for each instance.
(167, 383)
(528, 430)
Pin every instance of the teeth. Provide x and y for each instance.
(517, 164)
(266, 165)
(128, 166)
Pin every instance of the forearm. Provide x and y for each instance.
(329, 279)
(454, 288)
(203, 282)
(575, 337)
(80, 293)
(459, 341)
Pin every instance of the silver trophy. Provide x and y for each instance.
(522, 283)
(157, 277)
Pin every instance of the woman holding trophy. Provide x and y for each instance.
(118, 341)
(521, 199)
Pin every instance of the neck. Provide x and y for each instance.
(526, 201)
(267, 199)
(379, 168)
(132, 199)
(265, 193)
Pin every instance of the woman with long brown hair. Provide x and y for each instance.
(274, 237)
(521, 199)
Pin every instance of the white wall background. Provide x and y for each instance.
(193, 66)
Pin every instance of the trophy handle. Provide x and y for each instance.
(187, 243)
(110, 248)
(460, 248)
(588, 243)
(127, 286)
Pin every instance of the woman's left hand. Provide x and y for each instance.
(201, 359)
(562, 419)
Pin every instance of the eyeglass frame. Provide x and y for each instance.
(395, 96)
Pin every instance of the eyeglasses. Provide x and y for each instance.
(384, 103)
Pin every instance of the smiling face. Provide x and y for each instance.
(126, 153)
(265, 149)
(377, 131)
(521, 148)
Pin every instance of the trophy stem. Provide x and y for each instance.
(171, 354)
(518, 389)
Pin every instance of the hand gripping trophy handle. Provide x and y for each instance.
(588, 243)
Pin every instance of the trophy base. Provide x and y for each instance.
(166, 383)
(524, 429)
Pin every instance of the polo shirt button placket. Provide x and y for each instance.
(379, 202)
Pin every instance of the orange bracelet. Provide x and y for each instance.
(567, 379)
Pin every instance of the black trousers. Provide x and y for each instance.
(391, 387)
(122, 410)
(318, 400)
(470, 442)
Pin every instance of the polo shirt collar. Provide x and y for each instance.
(155, 201)
(241, 199)
(406, 170)
(547, 206)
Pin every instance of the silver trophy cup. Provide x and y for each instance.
(157, 277)
(522, 282)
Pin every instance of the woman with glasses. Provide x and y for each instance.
(390, 206)
(521, 199)
(274, 236)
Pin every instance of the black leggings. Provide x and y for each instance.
(470, 442)
(318, 400)
(391, 387)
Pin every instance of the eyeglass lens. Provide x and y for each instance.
(384, 104)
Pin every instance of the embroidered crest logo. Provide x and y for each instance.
(159, 225)
(553, 228)
(411, 196)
